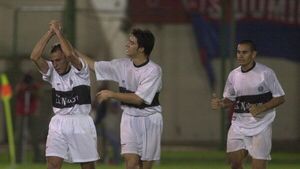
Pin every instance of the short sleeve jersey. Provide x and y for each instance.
(71, 91)
(256, 86)
(144, 80)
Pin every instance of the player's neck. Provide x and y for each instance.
(68, 68)
(248, 67)
(140, 60)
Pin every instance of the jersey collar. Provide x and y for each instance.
(254, 63)
(143, 64)
(68, 70)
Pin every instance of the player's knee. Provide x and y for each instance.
(132, 164)
(88, 165)
(236, 165)
(54, 162)
(53, 165)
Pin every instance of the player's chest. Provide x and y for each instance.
(250, 84)
(132, 77)
(65, 83)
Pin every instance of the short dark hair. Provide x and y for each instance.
(55, 47)
(145, 39)
(250, 43)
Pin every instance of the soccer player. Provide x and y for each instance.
(255, 92)
(72, 135)
(140, 83)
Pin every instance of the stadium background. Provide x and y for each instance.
(101, 30)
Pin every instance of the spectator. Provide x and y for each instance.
(27, 102)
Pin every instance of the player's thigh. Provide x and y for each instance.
(142, 136)
(131, 142)
(56, 145)
(82, 140)
(235, 141)
(152, 139)
(261, 145)
(237, 156)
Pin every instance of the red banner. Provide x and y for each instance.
(174, 11)
(157, 11)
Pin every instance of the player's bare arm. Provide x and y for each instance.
(130, 98)
(36, 54)
(88, 60)
(259, 108)
(66, 46)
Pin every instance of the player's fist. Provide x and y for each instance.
(55, 25)
(256, 109)
(215, 102)
(104, 95)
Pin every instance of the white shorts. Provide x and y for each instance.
(258, 146)
(142, 136)
(73, 138)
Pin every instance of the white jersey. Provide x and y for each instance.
(71, 91)
(144, 81)
(256, 86)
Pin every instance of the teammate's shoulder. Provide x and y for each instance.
(153, 63)
(263, 67)
(118, 61)
(123, 59)
(236, 70)
(154, 66)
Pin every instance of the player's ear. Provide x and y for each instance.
(254, 54)
(141, 49)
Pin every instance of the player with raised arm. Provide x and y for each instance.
(140, 82)
(72, 135)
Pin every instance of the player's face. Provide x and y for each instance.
(245, 56)
(59, 62)
(131, 46)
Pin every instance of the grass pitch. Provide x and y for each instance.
(178, 160)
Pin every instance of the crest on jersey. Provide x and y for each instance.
(260, 88)
(231, 92)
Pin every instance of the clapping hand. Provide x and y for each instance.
(55, 26)
(255, 109)
(104, 95)
(216, 102)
